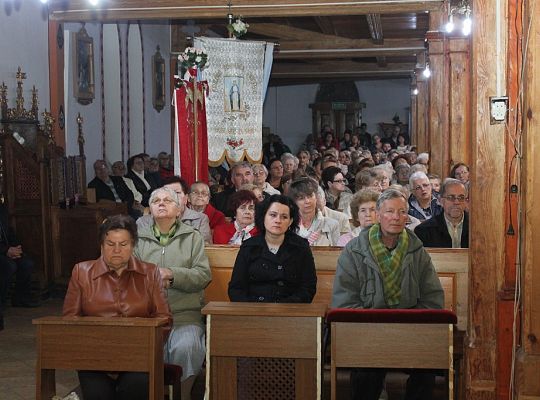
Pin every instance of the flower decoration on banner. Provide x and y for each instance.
(233, 143)
(237, 27)
(191, 60)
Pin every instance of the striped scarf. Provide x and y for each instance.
(389, 263)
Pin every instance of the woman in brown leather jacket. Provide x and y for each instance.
(116, 285)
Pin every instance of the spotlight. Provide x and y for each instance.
(426, 72)
(44, 1)
(466, 25)
(415, 91)
(93, 2)
(450, 24)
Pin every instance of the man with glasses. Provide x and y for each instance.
(422, 203)
(451, 228)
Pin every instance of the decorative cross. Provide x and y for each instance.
(20, 75)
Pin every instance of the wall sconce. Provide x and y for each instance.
(427, 71)
(463, 11)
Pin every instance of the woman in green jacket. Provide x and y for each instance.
(178, 250)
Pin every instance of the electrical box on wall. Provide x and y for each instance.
(498, 109)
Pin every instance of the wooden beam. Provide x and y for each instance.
(360, 44)
(326, 25)
(80, 10)
(375, 28)
(343, 53)
(341, 69)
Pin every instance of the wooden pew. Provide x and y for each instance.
(452, 266)
(99, 344)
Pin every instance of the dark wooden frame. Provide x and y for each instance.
(158, 81)
(83, 73)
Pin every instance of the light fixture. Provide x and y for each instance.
(466, 25)
(450, 24)
(462, 11)
(44, 1)
(415, 91)
(427, 71)
(93, 2)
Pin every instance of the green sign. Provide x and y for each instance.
(339, 106)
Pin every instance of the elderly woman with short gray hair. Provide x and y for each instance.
(178, 250)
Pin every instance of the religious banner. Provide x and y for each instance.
(191, 143)
(235, 75)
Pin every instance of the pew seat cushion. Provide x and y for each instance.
(409, 316)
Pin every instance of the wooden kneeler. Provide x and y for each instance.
(369, 338)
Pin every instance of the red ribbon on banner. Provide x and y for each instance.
(192, 143)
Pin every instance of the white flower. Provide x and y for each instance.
(198, 59)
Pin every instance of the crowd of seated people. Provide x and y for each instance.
(331, 195)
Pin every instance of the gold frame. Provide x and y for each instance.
(158, 81)
(83, 71)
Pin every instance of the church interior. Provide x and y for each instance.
(87, 80)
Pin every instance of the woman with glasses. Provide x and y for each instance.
(242, 206)
(313, 226)
(178, 250)
(199, 200)
(260, 174)
(338, 195)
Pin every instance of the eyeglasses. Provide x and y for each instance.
(422, 186)
(202, 194)
(461, 198)
(344, 181)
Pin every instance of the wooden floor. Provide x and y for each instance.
(18, 357)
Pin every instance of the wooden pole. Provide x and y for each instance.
(195, 126)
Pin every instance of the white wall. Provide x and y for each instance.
(24, 43)
(287, 113)
(156, 126)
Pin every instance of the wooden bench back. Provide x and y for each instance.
(452, 266)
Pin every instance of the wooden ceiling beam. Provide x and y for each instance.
(344, 43)
(326, 25)
(81, 10)
(375, 28)
(343, 53)
(341, 68)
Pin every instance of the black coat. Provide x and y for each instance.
(141, 187)
(220, 201)
(103, 191)
(286, 277)
(434, 233)
(7, 234)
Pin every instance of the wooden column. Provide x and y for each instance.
(487, 227)
(56, 80)
(438, 104)
(420, 114)
(528, 376)
(459, 107)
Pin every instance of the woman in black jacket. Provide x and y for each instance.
(277, 265)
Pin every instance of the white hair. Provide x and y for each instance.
(417, 175)
(422, 157)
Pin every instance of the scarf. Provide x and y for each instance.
(164, 237)
(389, 262)
(241, 234)
(313, 233)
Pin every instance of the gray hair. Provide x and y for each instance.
(419, 168)
(390, 194)
(415, 176)
(289, 156)
(422, 157)
(245, 164)
(199, 183)
(452, 182)
(168, 191)
(259, 166)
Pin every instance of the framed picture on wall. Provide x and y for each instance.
(158, 81)
(83, 73)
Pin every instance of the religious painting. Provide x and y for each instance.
(83, 73)
(232, 96)
(158, 81)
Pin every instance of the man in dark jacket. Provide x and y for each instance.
(112, 188)
(13, 261)
(450, 228)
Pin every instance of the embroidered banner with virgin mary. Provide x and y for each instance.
(235, 75)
